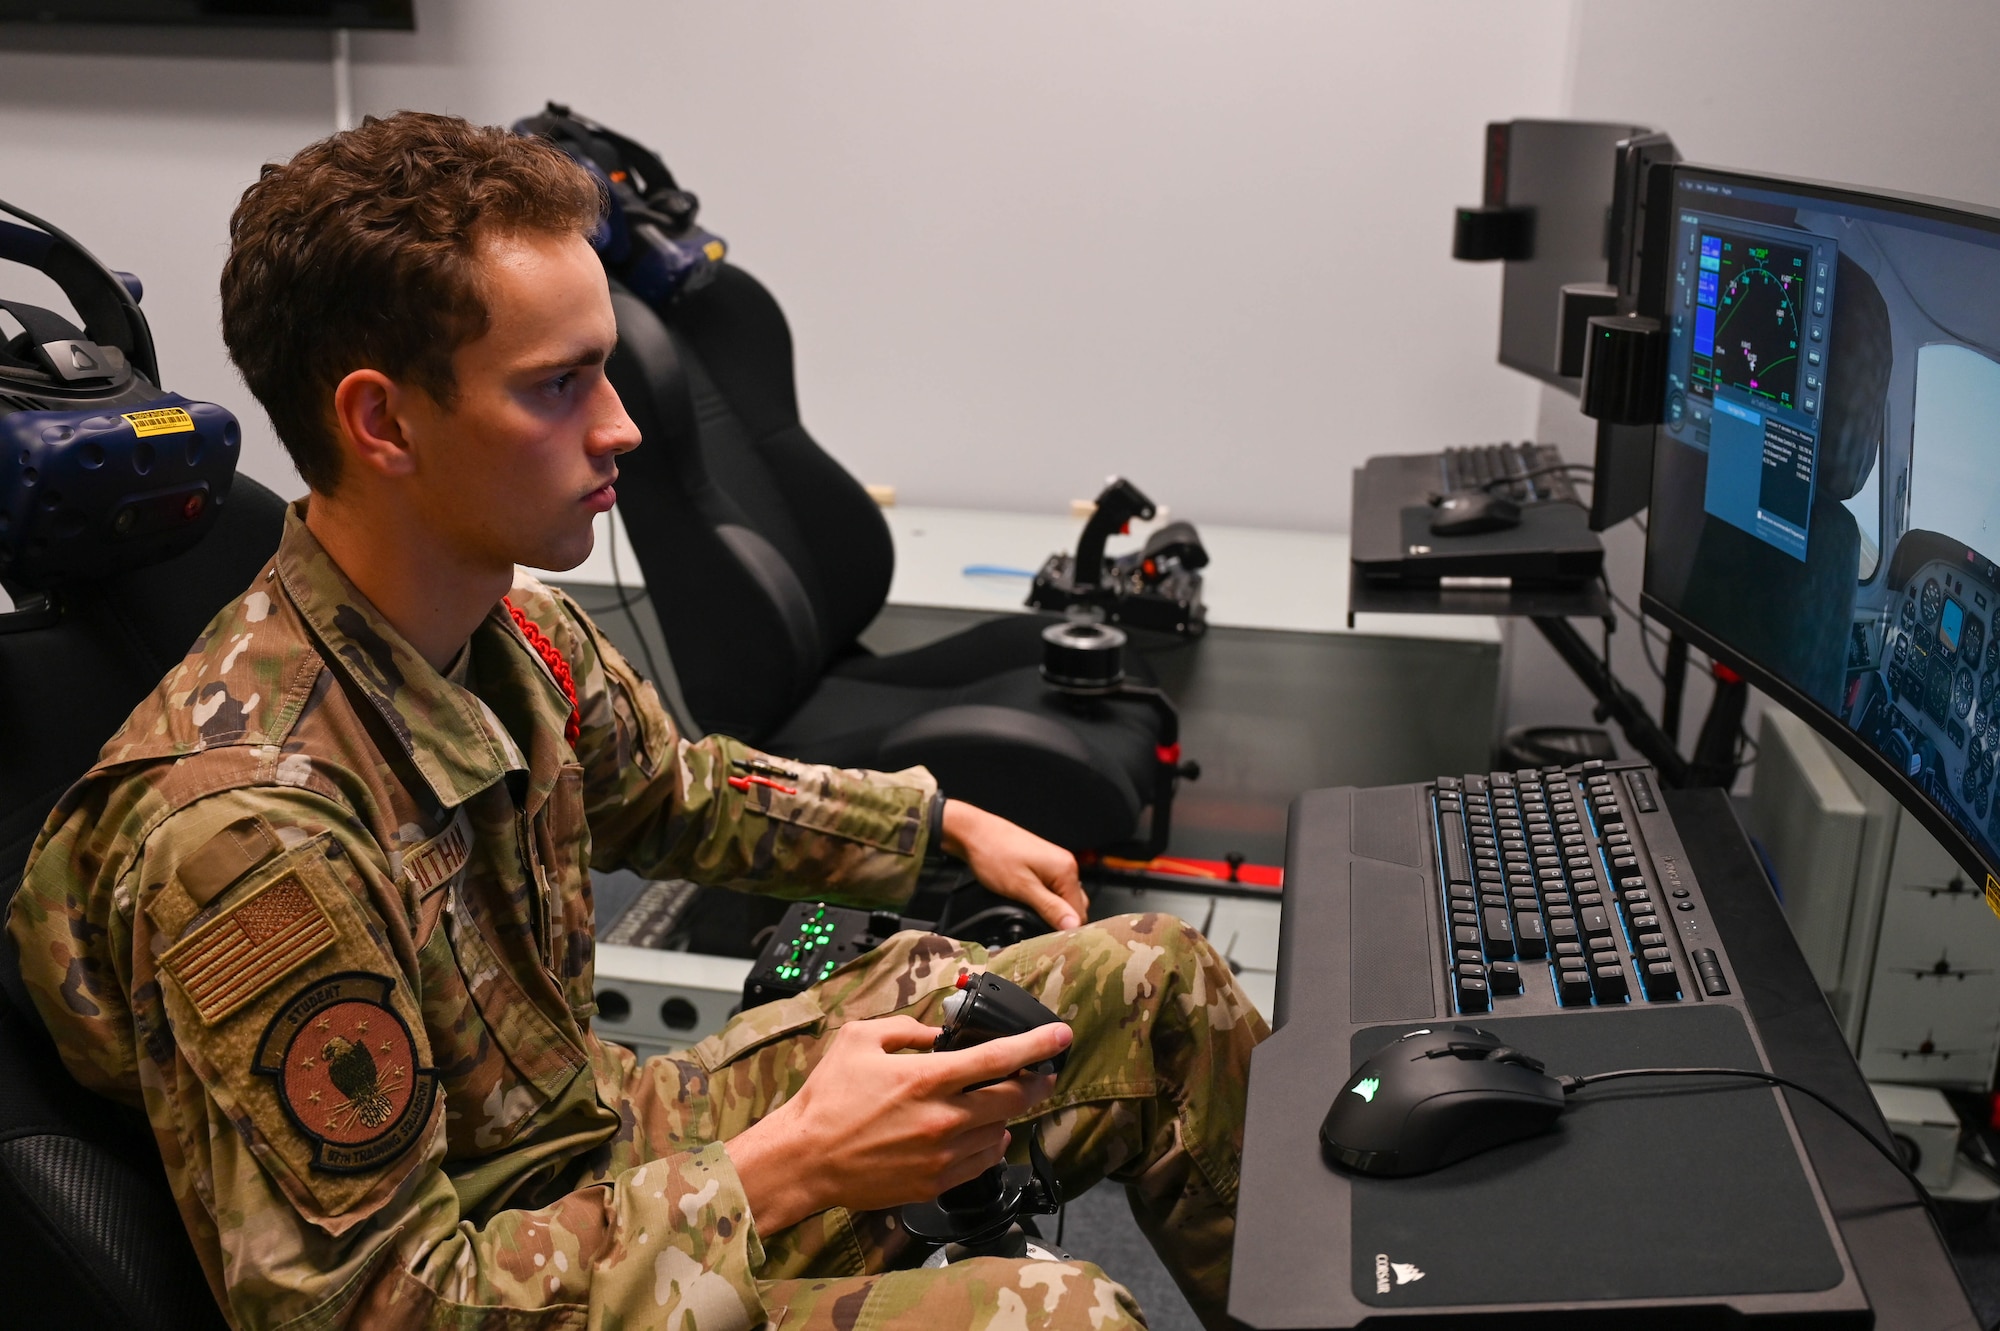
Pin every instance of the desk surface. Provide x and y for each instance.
(1259, 579)
(1898, 1256)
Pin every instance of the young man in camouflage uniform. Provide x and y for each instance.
(323, 908)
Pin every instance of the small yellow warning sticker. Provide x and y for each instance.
(161, 420)
(1993, 894)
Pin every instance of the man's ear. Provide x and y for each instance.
(368, 408)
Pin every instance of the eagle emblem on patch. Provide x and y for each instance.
(346, 1071)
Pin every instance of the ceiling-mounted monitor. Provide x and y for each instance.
(219, 13)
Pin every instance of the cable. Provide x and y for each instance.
(995, 571)
(632, 616)
(1529, 475)
(1571, 1085)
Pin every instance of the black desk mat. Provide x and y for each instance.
(1631, 1197)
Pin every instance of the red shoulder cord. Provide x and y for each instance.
(558, 667)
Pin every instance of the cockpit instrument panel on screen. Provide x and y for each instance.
(1826, 502)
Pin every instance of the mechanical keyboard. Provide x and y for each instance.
(1549, 893)
(1504, 469)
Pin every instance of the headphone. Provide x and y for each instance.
(99, 470)
(649, 239)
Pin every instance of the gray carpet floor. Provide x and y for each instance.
(1099, 1228)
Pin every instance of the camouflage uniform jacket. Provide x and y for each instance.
(325, 914)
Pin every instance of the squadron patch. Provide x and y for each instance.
(346, 1072)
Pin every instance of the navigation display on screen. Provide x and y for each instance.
(1826, 501)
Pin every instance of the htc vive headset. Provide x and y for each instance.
(100, 471)
(649, 239)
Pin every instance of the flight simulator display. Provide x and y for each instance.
(1826, 502)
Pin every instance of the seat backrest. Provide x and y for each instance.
(764, 557)
(93, 1236)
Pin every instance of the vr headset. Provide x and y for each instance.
(648, 240)
(100, 471)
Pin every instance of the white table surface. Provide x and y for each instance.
(1256, 578)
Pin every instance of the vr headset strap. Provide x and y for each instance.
(110, 317)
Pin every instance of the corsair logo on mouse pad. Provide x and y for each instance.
(1404, 1272)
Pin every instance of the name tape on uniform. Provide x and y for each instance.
(437, 860)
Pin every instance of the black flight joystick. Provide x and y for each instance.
(981, 1218)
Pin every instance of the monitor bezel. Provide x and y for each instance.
(1933, 820)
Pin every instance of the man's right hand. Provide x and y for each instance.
(872, 1128)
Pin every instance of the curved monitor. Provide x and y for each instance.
(1826, 485)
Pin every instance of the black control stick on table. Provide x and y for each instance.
(980, 1218)
(1117, 505)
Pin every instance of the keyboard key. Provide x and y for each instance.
(1529, 938)
(1471, 955)
(1460, 892)
(1470, 917)
(1499, 933)
(1457, 865)
(1609, 983)
(1625, 862)
(1560, 930)
(1569, 951)
(1713, 984)
(1645, 923)
(1653, 954)
(1505, 978)
(1595, 921)
(1662, 981)
(1573, 986)
(1589, 899)
(1472, 995)
(1465, 935)
(1657, 940)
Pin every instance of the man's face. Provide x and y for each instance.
(517, 468)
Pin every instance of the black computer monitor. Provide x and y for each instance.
(1826, 493)
(1574, 196)
(1559, 174)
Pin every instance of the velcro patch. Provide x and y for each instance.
(226, 857)
(249, 947)
(347, 1072)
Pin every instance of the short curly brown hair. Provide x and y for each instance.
(357, 253)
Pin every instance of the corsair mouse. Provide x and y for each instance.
(1434, 1097)
(1469, 512)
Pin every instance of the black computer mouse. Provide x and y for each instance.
(1469, 512)
(1434, 1097)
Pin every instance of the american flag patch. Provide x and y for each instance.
(248, 948)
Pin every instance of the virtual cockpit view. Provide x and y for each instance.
(1828, 488)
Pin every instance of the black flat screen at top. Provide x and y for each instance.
(221, 13)
(1826, 486)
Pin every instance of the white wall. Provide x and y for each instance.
(1021, 245)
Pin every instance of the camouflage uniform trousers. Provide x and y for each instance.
(1152, 1096)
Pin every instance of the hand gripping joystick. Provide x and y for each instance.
(980, 1218)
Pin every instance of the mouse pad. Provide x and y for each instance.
(1646, 1189)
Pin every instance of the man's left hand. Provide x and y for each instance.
(1015, 863)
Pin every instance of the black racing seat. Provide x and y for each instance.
(766, 560)
(92, 1234)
